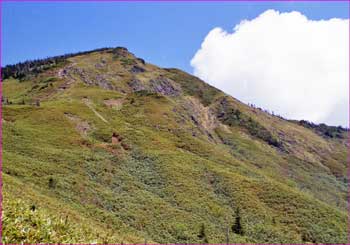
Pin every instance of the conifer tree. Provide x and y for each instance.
(202, 234)
(237, 226)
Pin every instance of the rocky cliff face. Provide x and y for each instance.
(142, 153)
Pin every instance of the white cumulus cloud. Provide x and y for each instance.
(283, 62)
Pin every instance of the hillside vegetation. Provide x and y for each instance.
(102, 147)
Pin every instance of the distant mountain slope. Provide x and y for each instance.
(104, 141)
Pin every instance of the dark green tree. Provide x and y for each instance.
(202, 234)
(237, 226)
(51, 183)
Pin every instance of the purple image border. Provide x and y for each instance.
(72, 1)
(207, 1)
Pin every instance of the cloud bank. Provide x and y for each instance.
(283, 62)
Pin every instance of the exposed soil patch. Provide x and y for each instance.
(83, 127)
(114, 103)
(201, 115)
(118, 139)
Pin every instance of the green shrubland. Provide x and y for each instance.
(179, 172)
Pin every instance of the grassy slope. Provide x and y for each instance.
(177, 172)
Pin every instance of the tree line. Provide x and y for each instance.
(325, 130)
(24, 69)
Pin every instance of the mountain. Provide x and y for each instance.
(103, 147)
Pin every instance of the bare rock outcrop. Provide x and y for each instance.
(136, 85)
(164, 86)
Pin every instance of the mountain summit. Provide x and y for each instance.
(103, 147)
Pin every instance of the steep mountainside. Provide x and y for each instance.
(104, 147)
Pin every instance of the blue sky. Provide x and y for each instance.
(167, 34)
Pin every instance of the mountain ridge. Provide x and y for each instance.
(16, 70)
(129, 137)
